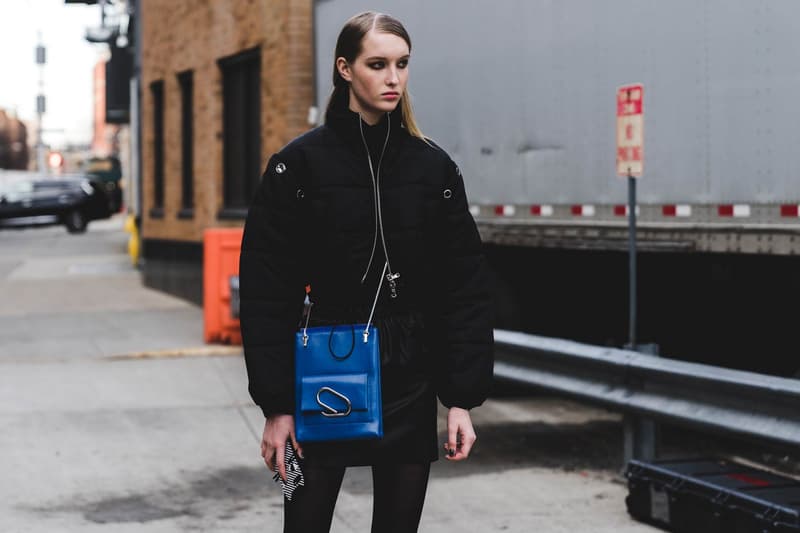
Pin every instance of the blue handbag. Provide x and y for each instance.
(338, 381)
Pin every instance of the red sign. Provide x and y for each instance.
(630, 130)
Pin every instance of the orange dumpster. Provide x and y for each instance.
(221, 248)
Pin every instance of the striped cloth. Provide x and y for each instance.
(294, 476)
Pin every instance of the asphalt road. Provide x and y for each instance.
(114, 416)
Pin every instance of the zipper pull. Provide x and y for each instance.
(392, 283)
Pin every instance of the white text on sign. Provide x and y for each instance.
(630, 130)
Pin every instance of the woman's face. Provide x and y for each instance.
(378, 76)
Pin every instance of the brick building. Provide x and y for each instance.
(14, 152)
(105, 140)
(224, 85)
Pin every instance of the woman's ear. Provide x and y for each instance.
(344, 69)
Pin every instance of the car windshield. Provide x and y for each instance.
(18, 187)
(15, 190)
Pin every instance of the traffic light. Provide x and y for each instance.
(55, 160)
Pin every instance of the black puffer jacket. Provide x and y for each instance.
(313, 221)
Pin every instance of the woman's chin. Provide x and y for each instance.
(387, 106)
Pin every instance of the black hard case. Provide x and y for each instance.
(712, 496)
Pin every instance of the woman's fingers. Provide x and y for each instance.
(462, 447)
(451, 446)
(453, 428)
(268, 453)
(467, 440)
(297, 449)
(280, 460)
(461, 435)
(278, 430)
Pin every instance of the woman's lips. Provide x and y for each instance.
(390, 96)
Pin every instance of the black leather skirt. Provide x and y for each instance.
(408, 397)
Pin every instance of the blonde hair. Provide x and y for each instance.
(348, 46)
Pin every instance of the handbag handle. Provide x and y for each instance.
(369, 321)
(352, 344)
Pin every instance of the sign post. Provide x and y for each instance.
(640, 433)
(630, 164)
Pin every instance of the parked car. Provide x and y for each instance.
(107, 171)
(72, 200)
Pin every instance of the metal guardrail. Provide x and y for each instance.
(709, 397)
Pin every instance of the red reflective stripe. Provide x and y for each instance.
(498, 209)
(576, 210)
(790, 210)
(725, 210)
(669, 210)
(536, 210)
(750, 480)
(619, 210)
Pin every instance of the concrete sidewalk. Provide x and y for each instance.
(115, 417)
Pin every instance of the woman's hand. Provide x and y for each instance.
(277, 430)
(460, 435)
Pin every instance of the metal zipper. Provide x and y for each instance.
(391, 277)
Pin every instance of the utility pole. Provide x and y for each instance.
(41, 165)
(136, 112)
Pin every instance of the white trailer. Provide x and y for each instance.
(522, 94)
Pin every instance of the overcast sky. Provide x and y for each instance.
(67, 74)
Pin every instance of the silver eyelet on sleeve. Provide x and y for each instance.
(448, 193)
(280, 168)
(300, 194)
(458, 170)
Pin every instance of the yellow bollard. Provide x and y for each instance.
(133, 241)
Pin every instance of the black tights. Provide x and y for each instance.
(399, 493)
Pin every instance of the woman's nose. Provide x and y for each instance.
(393, 78)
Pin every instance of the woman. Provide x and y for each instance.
(363, 192)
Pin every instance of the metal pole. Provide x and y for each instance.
(639, 432)
(136, 117)
(102, 13)
(632, 261)
(41, 165)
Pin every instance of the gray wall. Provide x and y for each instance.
(522, 94)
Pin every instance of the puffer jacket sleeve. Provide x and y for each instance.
(466, 358)
(272, 287)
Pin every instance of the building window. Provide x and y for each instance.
(241, 130)
(186, 83)
(157, 92)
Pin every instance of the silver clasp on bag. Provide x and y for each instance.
(308, 317)
(330, 411)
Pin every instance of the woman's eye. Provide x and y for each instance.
(377, 65)
(402, 64)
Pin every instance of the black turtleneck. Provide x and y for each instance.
(346, 122)
(375, 137)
